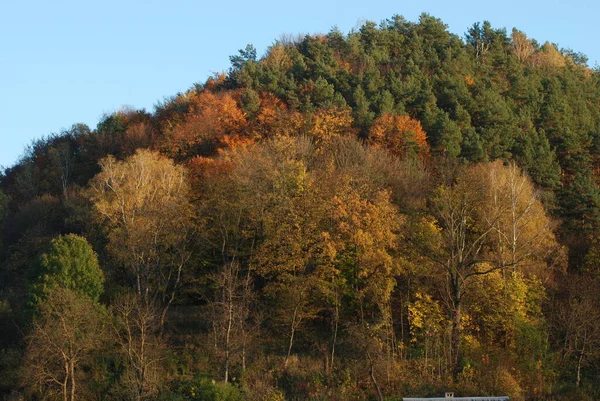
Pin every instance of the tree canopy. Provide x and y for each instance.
(71, 264)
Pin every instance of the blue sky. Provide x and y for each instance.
(69, 61)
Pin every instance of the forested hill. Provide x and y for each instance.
(396, 211)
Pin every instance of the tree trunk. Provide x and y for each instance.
(456, 330)
(426, 350)
(336, 317)
(244, 354)
(579, 363)
(372, 374)
(72, 369)
(292, 332)
(228, 334)
(65, 383)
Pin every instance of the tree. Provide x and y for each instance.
(485, 41)
(367, 227)
(445, 137)
(292, 247)
(67, 329)
(576, 320)
(72, 264)
(330, 123)
(539, 160)
(427, 323)
(143, 203)
(322, 228)
(230, 313)
(245, 56)
(399, 134)
(549, 58)
(487, 218)
(209, 119)
(4, 201)
(250, 103)
(69, 322)
(136, 325)
(523, 47)
(61, 165)
(362, 114)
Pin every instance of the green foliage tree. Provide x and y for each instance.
(72, 264)
(540, 161)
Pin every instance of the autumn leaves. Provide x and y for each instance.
(202, 122)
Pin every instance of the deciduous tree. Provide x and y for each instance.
(72, 264)
(209, 119)
(137, 325)
(399, 134)
(143, 203)
(67, 329)
(487, 218)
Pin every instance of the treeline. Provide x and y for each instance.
(396, 211)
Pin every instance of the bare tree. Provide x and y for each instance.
(578, 317)
(231, 315)
(69, 327)
(136, 327)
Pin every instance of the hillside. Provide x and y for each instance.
(396, 211)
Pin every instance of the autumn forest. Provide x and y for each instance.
(392, 212)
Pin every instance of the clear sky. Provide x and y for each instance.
(69, 61)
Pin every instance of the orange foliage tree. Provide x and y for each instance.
(399, 134)
(217, 79)
(275, 119)
(210, 118)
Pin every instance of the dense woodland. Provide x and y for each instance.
(396, 211)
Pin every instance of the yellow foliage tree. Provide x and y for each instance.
(143, 203)
(488, 218)
(330, 123)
